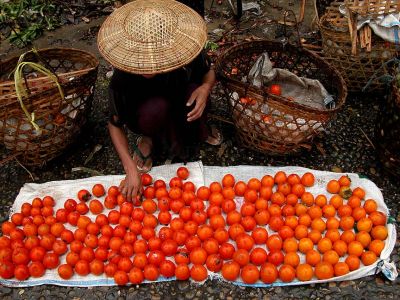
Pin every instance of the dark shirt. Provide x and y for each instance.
(127, 91)
(197, 5)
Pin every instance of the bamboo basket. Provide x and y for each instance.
(269, 123)
(337, 48)
(53, 117)
(373, 8)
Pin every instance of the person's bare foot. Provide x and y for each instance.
(215, 137)
(142, 153)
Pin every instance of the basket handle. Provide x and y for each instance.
(286, 13)
(21, 91)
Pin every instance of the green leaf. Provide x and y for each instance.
(211, 46)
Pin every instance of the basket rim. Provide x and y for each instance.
(342, 88)
(82, 72)
(57, 49)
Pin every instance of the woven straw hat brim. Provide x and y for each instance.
(152, 36)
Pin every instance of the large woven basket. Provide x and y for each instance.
(337, 49)
(321, 5)
(57, 120)
(269, 123)
(388, 131)
(373, 8)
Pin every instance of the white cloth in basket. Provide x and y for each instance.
(309, 92)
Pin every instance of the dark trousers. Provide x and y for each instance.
(166, 123)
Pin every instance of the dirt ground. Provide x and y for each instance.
(348, 146)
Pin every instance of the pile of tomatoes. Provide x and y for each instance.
(281, 232)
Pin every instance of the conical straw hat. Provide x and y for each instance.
(152, 36)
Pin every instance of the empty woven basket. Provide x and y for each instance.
(46, 121)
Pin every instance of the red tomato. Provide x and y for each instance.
(73, 218)
(176, 182)
(36, 269)
(146, 179)
(169, 247)
(275, 257)
(6, 270)
(82, 267)
(61, 215)
(96, 267)
(84, 195)
(20, 256)
(48, 201)
(51, 260)
(151, 272)
(5, 254)
(136, 275)
(182, 173)
(275, 89)
(70, 205)
(59, 247)
(155, 257)
(82, 208)
(214, 263)
(37, 253)
(98, 190)
(226, 251)
(167, 268)
(110, 269)
(65, 271)
(21, 272)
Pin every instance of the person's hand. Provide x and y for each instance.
(130, 187)
(200, 95)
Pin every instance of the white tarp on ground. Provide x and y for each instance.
(199, 175)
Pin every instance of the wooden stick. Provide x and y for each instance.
(353, 31)
(369, 39)
(302, 11)
(350, 23)
(362, 38)
(368, 139)
(22, 166)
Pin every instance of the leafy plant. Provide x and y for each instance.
(27, 19)
(22, 21)
(211, 46)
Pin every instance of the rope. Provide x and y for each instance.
(20, 90)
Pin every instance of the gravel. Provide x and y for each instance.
(346, 150)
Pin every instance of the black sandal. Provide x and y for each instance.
(140, 156)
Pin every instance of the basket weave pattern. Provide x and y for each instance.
(269, 123)
(373, 8)
(148, 37)
(59, 120)
(337, 49)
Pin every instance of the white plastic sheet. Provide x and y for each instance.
(199, 175)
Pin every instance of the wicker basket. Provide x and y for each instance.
(388, 131)
(269, 123)
(373, 8)
(337, 49)
(321, 5)
(58, 119)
